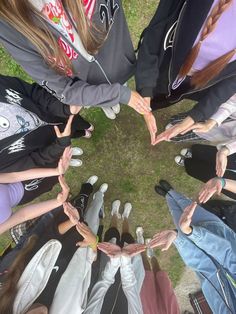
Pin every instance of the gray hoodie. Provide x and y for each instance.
(97, 80)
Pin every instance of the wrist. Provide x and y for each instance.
(188, 230)
(222, 181)
(93, 245)
(224, 151)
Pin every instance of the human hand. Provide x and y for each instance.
(186, 218)
(213, 186)
(75, 109)
(139, 104)
(67, 130)
(63, 195)
(89, 238)
(221, 161)
(110, 249)
(133, 249)
(151, 125)
(201, 127)
(64, 161)
(163, 239)
(174, 130)
(71, 212)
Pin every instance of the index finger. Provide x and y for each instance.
(69, 122)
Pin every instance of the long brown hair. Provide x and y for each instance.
(29, 22)
(9, 289)
(202, 77)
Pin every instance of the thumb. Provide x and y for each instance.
(57, 131)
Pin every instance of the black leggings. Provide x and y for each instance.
(202, 165)
(112, 232)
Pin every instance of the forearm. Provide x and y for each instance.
(36, 173)
(230, 185)
(65, 226)
(29, 212)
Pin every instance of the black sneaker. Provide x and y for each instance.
(159, 190)
(165, 185)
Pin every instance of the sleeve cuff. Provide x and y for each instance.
(196, 115)
(146, 92)
(125, 94)
(64, 141)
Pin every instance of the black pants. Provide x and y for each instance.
(36, 187)
(202, 165)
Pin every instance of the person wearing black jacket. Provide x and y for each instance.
(28, 115)
(175, 60)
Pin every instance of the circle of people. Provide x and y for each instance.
(80, 54)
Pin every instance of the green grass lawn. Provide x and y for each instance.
(120, 154)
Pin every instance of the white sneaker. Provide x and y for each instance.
(109, 113)
(77, 151)
(139, 234)
(76, 162)
(127, 210)
(92, 180)
(115, 208)
(186, 153)
(168, 126)
(103, 188)
(179, 160)
(149, 250)
(116, 108)
(91, 128)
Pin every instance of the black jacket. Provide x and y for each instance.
(165, 45)
(38, 147)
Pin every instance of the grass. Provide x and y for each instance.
(120, 154)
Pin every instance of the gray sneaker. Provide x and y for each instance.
(109, 113)
(139, 234)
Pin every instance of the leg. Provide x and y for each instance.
(36, 187)
(81, 201)
(92, 214)
(155, 265)
(125, 225)
(146, 263)
(178, 202)
(199, 169)
(205, 153)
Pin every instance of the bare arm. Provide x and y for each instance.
(36, 173)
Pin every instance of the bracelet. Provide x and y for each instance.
(94, 245)
(223, 182)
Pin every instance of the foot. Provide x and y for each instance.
(91, 128)
(159, 190)
(103, 188)
(76, 162)
(77, 151)
(88, 134)
(186, 153)
(165, 185)
(127, 210)
(179, 160)
(115, 207)
(92, 180)
(109, 113)
(149, 251)
(139, 234)
(116, 108)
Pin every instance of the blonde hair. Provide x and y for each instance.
(29, 22)
(202, 77)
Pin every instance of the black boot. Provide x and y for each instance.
(165, 185)
(159, 190)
